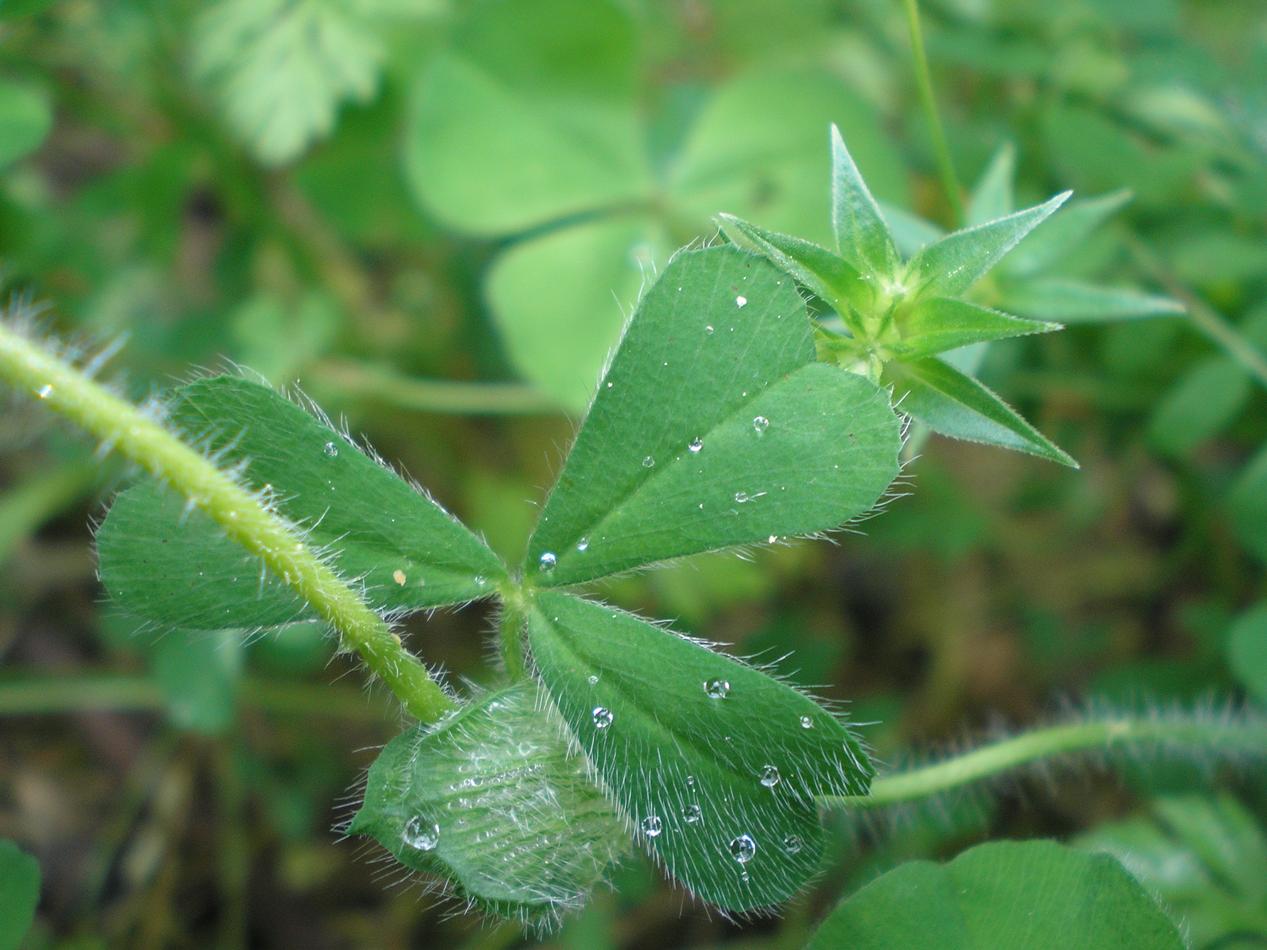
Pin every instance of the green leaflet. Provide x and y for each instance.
(19, 893)
(1246, 505)
(407, 550)
(959, 406)
(491, 800)
(951, 265)
(1206, 857)
(1073, 301)
(714, 427)
(717, 765)
(1247, 650)
(1200, 404)
(197, 673)
(862, 237)
(939, 324)
(1034, 894)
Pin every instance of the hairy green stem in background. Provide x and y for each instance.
(348, 378)
(1214, 738)
(122, 427)
(924, 83)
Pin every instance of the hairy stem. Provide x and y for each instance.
(924, 83)
(1214, 737)
(122, 427)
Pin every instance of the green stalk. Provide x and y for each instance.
(924, 83)
(1209, 737)
(349, 379)
(123, 428)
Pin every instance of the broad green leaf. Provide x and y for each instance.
(529, 117)
(405, 550)
(1204, 856)
(862, 237)
(1247, 651)
(19, 893)
(954, 263)
(939, 323)
(492, 801)
(1034, 894)
(1246, 505)
(717, 766)
(197, 673)
(956, 405)
(25, 119)
(1058, 237)
(537, 287)
(1199, 405)
(280, 69)
(714, 427)
(992, 197)
(1072, 301)
(814, 267)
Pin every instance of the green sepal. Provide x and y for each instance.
(718, 766)
(940, 323)
(862, 236)
(956, 405)
(491, 801)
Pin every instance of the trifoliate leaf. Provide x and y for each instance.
(19, 893)
(862, 236)
(939, 323)
(714, 427)
(717, 765)
(491, 801)
(950, 266)
(955, 405)
(1033, 894)
(406, 551)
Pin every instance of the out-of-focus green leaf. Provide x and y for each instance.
(950, 266)
(25, 119)
(1247, 650)
(749, 436)
(19, 893)
(1033, 894)
(492, 801)
(1246, 505)
(717, 765)
(1072, 301)
(1205, 857)
(959, 406)
(992, 196)
(1062, 234)
(1200, 404)
(198, 676)
(406, 550)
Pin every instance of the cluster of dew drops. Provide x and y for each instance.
(743, 848)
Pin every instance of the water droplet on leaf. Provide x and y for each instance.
(743, 848)
(651, 826)
(420, 834)
(602, 717)
(547, 562)
(770, 776)
(741, 497)
(792, 844)
(648, 462)
(741, 301)
(331, 450)
(717, 689)
(807, 722)
(691, 814)
(697, 445)
(760, 423)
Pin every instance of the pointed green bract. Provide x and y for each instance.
(959, 406)
(716, 765)
(491, 801)
(941, 323)
(1072, 301)
(406, 550)
(714, 427)
(992, 197)
(862, 236)
(819, 270)
(953, 264)
(1033, 894)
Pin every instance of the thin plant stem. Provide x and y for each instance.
(924, 84)
(1197, 734)
(350, 379)
(122, 427)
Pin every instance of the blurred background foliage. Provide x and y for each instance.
(433, 217)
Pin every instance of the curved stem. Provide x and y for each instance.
(351, 378)
(124, 428)
(1214, 738)
(924, 83)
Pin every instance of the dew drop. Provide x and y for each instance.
(652, 826)
(592, 679)
(691, 814)
(792, 844)
(696, 446)
(708, 328)
(807, 722)
(770, 776)
(609, 385)
(583, 545)
(741, 497)
(773, 539)
(717, 688)
(602, 717)
(420, 834)
(743, 848)
(648, 462)
(690, 781)
(45, 391)
(331, 450)
(760, 423)
(480, 581)
(399, 577)
(547, 562)
(741, 301)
